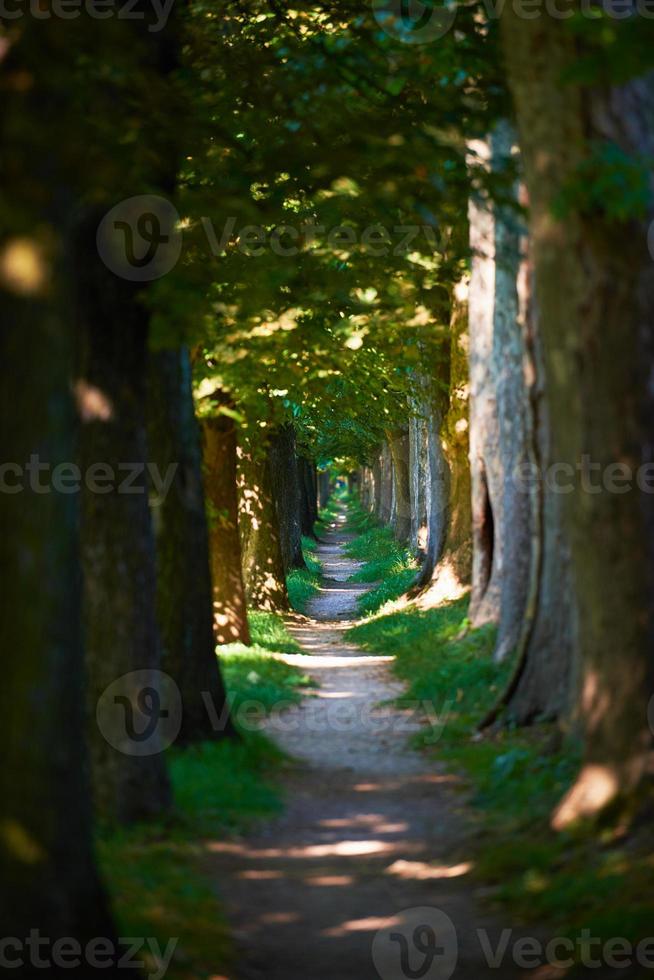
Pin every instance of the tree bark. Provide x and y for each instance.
(48, 878)
(446, 571)
(401, 515)
(385, 500)
(308, 496)
(117, 543)
(324, 488)
(486, 469)
(287, 495)
(513, 407)
(184, 594)
(230, 621)
(420, 476)
(595, 293)
(263, 567)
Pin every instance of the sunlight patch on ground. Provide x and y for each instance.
(421, 871)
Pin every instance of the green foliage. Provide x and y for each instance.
(268, 632)
(254, 675)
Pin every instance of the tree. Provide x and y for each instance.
(220, 468)
(185, 606)
(593, 279)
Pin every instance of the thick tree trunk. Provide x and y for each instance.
(401, 514)
(513, 408)
(263, 567)
(230, 621)
(184, 597)
(48, 879)
(486, 463)
(447, 567)
(287, 495)
(595, 293)
(543, 686)
(118, 557)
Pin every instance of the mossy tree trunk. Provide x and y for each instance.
(594, 284)
(184, 595)
(220, 476)
(263, 567)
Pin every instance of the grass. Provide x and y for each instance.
(303, 583)
(386, 562)
(565, 882)
(154, 871)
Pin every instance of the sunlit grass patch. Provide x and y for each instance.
(268, 632)
(386, 562)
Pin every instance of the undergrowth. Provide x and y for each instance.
(388, 564)
(154, 871)
(566, 882)
(303, 583)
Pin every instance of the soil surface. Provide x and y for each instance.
(366, 875)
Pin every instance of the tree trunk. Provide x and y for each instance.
(230, 621)
(308, 496)
(118, 557)
(184, 602)
(263, 567)
(486, 469)
(543, 686)
(48, 879)
(513, 408)
(420, 476)
(595, 293)
(324, 488)
(447, 567)
(385, 502)
(287, 496)
(401, 517)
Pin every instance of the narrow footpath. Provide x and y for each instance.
(366, 873)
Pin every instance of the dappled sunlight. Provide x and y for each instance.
(421, 871)
(595, 787)
(24, 269)
(92, 403)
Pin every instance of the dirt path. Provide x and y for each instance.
(372, 831)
